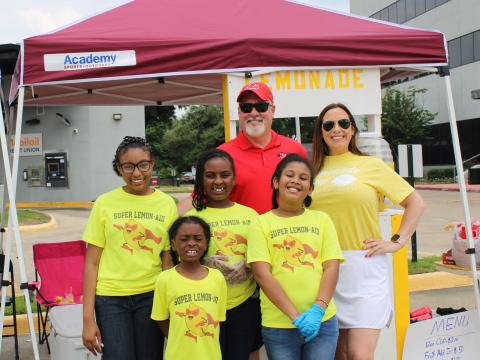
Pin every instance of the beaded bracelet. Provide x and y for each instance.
(323, 302)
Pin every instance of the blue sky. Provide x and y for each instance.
(32, 17)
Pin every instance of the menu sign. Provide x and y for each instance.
(449, 337)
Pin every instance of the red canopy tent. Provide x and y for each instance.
(161, 41)
(150, 52)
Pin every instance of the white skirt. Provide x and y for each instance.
(362, 295)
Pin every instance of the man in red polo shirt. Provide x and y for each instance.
(257, 149)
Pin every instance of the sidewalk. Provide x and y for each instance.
(447, 187)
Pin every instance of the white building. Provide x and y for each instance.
(67, 152)
(460, 22)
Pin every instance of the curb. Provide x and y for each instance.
(437, 280)
(72, 204)
(446, 188)
(39, 227)
(22, 324)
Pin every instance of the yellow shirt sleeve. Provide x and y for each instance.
(95, 230)
(257, 250)
(388, 182)
(160, 304)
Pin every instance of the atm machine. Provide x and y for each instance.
(56, 169)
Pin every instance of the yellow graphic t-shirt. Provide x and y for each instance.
(133, 231)
(348, 188)
(195, 309)
(295, 247)
(229, 228)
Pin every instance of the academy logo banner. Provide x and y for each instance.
(89, 60)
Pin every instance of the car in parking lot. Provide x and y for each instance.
(187, 177)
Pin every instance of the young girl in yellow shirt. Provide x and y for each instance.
(128, 246)
(295, 255)
(229, 222)
(190, 299)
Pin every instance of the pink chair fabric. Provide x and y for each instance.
(60, 268)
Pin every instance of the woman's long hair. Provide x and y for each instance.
(319, 148)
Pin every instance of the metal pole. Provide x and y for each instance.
(461, 183)
(13, 220)
(298, 133)
(10, 115)
(411, 180)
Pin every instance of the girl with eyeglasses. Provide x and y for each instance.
(348, 186)
(128, 246)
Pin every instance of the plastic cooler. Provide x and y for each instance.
(66, 334)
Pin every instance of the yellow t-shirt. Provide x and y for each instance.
(133, 231)
(229, 228)
(295, 247)
(348, 187)
(195, 308)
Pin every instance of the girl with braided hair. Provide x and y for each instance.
(128, 246)
(229, 223)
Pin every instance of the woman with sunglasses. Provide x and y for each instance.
(348, 186)
(128, 246)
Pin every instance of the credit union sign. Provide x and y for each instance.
(30, 144)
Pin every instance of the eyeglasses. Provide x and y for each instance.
(261, 107)
(143, 166)
(330, 124)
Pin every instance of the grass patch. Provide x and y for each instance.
(30, 217)
(423, 265)
(20, 304)
(176, 189)
(435, 181)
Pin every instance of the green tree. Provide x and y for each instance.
(404, 121)
(199, 129)
(158, 119)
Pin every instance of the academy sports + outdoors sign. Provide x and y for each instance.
(88, 60)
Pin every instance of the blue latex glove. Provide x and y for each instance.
(305, 330)
(312, 319)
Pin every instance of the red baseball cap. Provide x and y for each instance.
(258, 88)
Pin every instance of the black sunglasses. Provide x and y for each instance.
(261, 107)
(330, 124)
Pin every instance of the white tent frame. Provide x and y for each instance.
(11, 179)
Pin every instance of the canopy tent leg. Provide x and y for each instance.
(11, 179)
(444, 72)
(229, 126)
(9, 117)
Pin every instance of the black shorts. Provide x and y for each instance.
(241, 333)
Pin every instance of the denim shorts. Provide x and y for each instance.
(128, 332)
(289, 344)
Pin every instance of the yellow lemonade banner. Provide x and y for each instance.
(306, 92)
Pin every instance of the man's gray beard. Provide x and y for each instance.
(255, 131)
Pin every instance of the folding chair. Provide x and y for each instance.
(60, 269)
